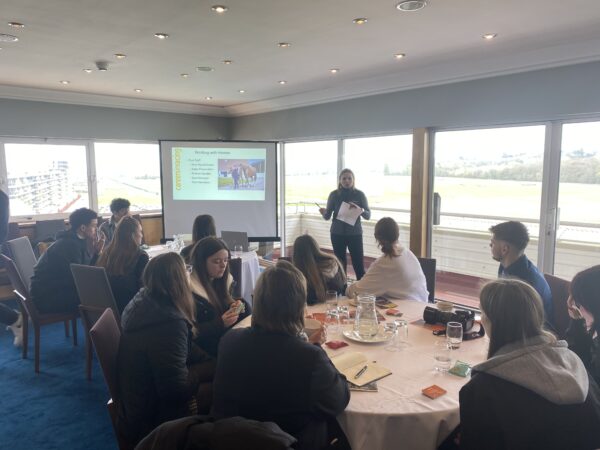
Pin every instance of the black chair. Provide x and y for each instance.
(46, 230)
(559, 289)
(235, 267)
(428, 265)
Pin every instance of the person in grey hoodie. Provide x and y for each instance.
(532, 392)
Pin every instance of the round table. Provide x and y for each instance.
(399, 415)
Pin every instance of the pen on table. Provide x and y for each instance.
(360, 372)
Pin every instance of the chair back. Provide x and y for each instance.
(105, 335)
(94, 288)
(428, 265)
(559, 289)
(20, 289)
(235, 267)
(47, 229)
(13, 230)
(23, 257)
(89, 316)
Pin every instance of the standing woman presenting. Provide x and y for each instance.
(344, 235)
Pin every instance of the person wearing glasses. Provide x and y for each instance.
(211, 283)
(583, 305)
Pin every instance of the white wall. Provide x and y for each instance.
(55, 120)
(558, 93)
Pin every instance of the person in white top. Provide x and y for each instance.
(397, 273)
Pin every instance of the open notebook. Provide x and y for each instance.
(351, 363)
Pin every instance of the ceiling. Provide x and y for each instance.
(442, 42)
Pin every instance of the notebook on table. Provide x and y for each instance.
(352, 364)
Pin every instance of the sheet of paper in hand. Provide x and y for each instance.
(348, 214)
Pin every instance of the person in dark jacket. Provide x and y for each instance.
(52, 285)
(13, 319)
(124, 261)
(268, 372)
(344, 235)
(583, 305)
(216, 310)
(158, 374)
(532, 392)
(204, 226)
(323, 272)
(119, 207)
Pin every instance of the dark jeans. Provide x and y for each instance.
(354, 243)
(7, 316)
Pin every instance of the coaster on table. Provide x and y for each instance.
(461, 369)
(336, 344)
(384, 303)
(393, 312)
(433, 391)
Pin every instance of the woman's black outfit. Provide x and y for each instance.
(344, 235)
(156, 378)
(276, 377)
(585, 346)
(124, 287)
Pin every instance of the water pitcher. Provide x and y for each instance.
(366, 317)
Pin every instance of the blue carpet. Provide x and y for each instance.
(57, 408)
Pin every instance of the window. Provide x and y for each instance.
(46, 179)
(578, 234)
(130, 171)
(484, 177)
(310, 175)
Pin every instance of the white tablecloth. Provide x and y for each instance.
(399, 415)
(250, 269)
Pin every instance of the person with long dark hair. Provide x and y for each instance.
(322, 271)
(532, 392)
(216, 310)
(583, 305)
(204, 226)
(344, 235)
(397, 273)
(268, 372)
(159, 376)
(124, 261)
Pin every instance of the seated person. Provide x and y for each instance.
(119, 207)
(323, 272)
(204, 226)
(397, 273)
(52, 285)
(159, 377)
(124, 261)
(268, 372)
(583, 304)
(216, 310)
(508, 243)
(532, 392)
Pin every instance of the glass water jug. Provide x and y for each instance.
(366, 325)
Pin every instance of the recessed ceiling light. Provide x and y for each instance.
(87, 70)
(184, 75)
(8, 38)
(411, 5)
(204, 69)
(334, 70)
(161, 36)
(282, 82)
(64, 81)
(139, 91)
(360, 20)
(16, 25)
(241, 91)
(208, 98)
(227, 61)
(489, 36)
(219, 8)
(399, 55)
(120, 56)
(284, 45)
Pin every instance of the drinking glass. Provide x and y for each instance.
(331, 300)
(390, 330)
(402, 329)
(332, 324)
(441, 356)
(344, 316)
(454, 334)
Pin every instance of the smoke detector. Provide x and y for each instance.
(411, 5)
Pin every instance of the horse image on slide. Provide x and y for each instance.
(247, 174)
